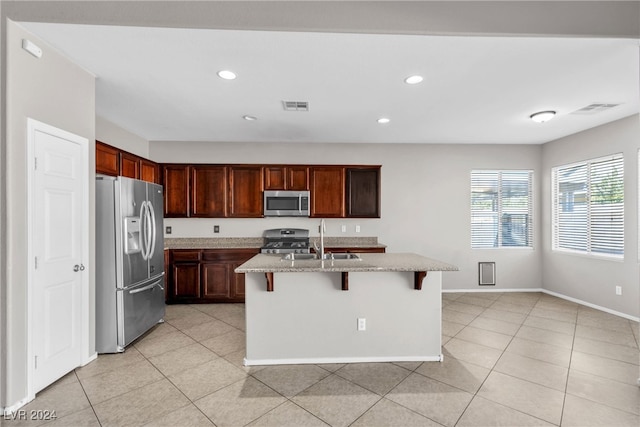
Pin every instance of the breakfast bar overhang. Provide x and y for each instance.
(378, 308)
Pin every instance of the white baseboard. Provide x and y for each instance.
(91, 358)
(490, 289)
(6, 412)
(548, 292)
(588, 304)
(322, 360)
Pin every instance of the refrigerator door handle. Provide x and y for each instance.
(152, 221)
(146, 235)
(146, 288)
(143, 230)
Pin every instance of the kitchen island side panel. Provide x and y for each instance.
(310, 319)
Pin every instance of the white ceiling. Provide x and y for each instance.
(161, 84)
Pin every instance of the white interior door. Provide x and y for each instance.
(59, 231)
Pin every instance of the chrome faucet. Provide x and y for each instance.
(323, 228)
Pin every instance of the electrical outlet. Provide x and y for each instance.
(362, 324)
(216, 228)
(618, 290)
(167, 229)
(357, 228)
(343, 228)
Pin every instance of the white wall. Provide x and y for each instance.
(425, 199)
(114, 135)
(592, 279)
(54, 91)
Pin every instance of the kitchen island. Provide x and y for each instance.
(379, 308)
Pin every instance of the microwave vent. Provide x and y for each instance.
(295, 105)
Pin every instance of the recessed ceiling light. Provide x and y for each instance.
(413, 80)
(542, 116)
(226, 74)
(250, 118)
(383, 120)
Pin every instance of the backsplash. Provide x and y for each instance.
(249, 227)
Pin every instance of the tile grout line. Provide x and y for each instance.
(475, 394)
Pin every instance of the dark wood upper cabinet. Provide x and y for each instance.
(176, 190)
(129, 165)
(208, 191)
(275, 177)
(107, 159)
(327, 191)
(113, 161)
(150, 171)
(222, 191)
(298, 178)
(245, 191)
(286, 177)
(363, 192)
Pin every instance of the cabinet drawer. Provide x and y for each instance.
(228, 254)
(185, 255)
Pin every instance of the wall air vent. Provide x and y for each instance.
(295, 105)
(487, 273)
(594, 108)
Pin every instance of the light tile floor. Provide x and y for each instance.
(525, 359)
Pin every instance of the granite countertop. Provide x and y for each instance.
(267, 263)
(213, 242)
(258, 242)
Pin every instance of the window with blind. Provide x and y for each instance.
(501, 208)
(588, 207)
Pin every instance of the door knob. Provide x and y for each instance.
(78, 267)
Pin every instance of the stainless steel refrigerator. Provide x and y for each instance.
(129, 261)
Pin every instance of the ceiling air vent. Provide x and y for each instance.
(295, 105)
(594, 108)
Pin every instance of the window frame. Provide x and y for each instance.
(530, 207)
(589, 208)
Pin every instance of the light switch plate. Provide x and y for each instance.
(167, 229)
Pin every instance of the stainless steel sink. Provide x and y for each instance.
(293, 257)
(327, 256)
(342, 256)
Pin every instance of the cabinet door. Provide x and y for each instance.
(297, 178)
(236, 281)
(107, 161)
(245, 195)
(176, 190)
(208, 191)
(149, 171)
(186, 280)
(275, 177)
(129, 165)
(215, 281)
(363, 192)
(327, 191)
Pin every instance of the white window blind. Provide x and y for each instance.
(588, 207)
(501, 208)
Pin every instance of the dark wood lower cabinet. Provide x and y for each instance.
(215, 281)
(206, 275)
(186, 280)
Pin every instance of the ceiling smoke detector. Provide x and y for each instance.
(594, 108)
(295, 105)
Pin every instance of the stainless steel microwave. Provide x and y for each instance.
(286, 203)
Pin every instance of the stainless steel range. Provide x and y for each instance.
(286, 241)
